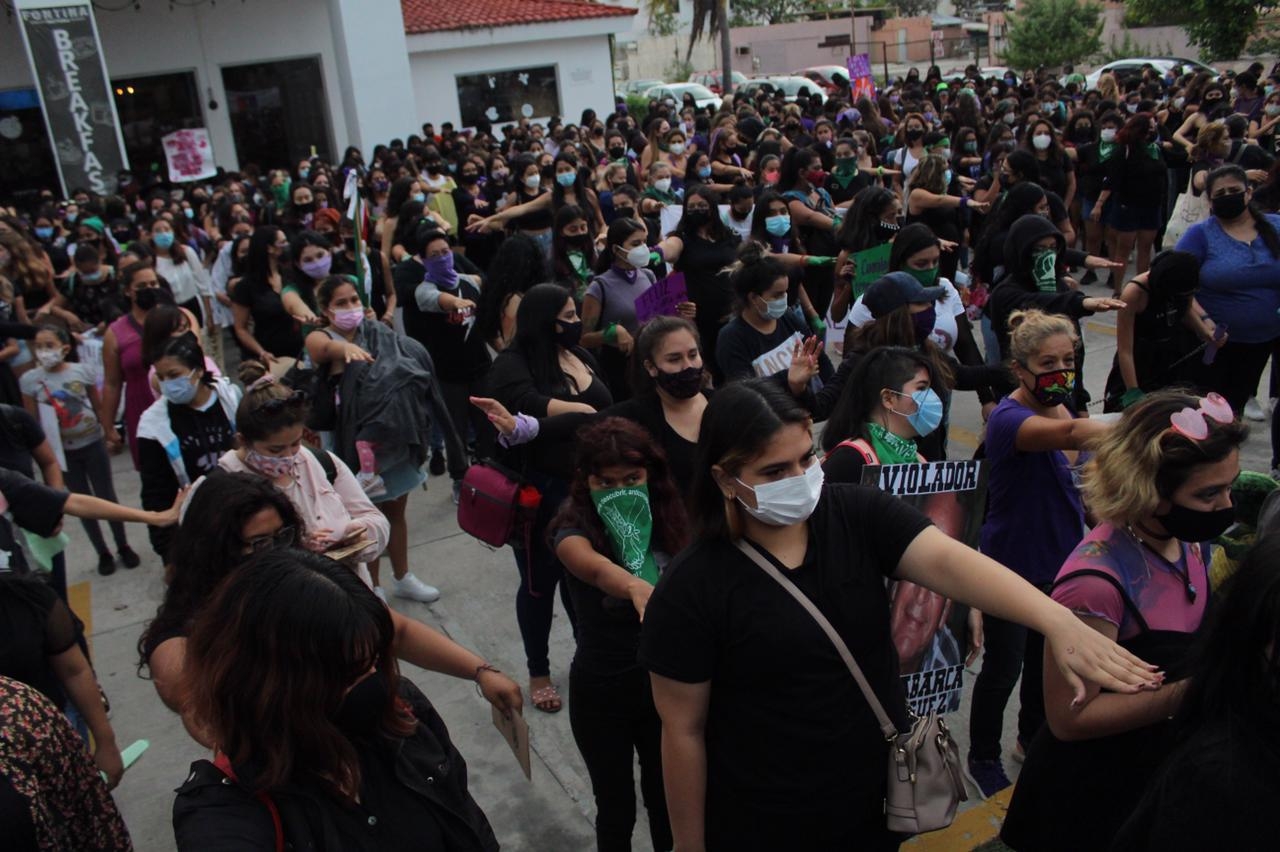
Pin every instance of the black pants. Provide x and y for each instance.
(540, 573)
(1235, 374)
(613, 719)
(89, 472)
(1009, 650)
(457, 398)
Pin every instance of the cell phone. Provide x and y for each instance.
(1211, 351)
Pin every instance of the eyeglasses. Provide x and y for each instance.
(284, 537)
(1193, 423)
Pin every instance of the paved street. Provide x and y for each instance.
(552, 813)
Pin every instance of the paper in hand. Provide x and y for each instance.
(515, 730)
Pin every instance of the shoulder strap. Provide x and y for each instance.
(887, 727)
(223, 763)
(860, 446)
(326, 462)
(1124, 596)
(1237, 153)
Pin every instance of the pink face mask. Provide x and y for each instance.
(272, 467)
(348, 320)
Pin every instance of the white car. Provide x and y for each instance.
(639, 87)
(790, 86)
(1124, 68)
(675, 92)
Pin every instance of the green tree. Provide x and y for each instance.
(914, 8)
(1053, 32)
(1222, 29)
(748, 13)
(709, 16)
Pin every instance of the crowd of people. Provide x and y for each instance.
(687, 334)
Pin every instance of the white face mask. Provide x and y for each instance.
(1108, 134)
(638, 256)
(533, 181)
(1041, 141)
(787, 501)
(662, 184)
(676, 148)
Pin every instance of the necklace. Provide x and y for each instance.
(1183, 574)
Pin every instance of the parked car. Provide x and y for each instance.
(711, 79)
(639, 87)
(831, 78)
(1127, 68)
(675, 92)
(987, 72)
(790, 86)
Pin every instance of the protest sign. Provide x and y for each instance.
(868, 266)
(189, 155)
(662, 298)
(861, 82)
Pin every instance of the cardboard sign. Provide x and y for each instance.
(669, 218)
(189, 155)
(861, 83)
(778, 358)
(662, 298)
(931, 633)
(515, 730)
(868, 266)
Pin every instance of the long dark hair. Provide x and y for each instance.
(860, 231)
(398, 194)
(886, 367)
(737, 424)
(208, 546)
(620, 230)
(518, 264)
(911, 240)
(1235, 672)
(612, 442)
(717, 230)
(650, 337)
(560, 247)
(755, 272)
(269, 661)
(536, 336)
(257, 265)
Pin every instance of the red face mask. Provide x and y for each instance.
(771, 177)
(816, 177)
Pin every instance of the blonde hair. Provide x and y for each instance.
(1108, 88)
(1208, 141)
(1141, 460)
(1029, 329)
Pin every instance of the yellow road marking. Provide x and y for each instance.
(80, 597)
(964, 436)
(1101, 328)
(974, 827)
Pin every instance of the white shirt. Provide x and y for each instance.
(945, 328)
(187, 280)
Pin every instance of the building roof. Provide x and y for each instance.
(426, 16)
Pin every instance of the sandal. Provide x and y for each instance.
(546, 699)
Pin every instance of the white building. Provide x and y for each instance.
(272, 79)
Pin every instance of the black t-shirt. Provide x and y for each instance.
(791, 743)
(842, 193)
(34, 626)
(272, 325)
(1054, 171)
(740, 344)
(843, 464)
(20, 434)
(34, 507)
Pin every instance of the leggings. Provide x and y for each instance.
(1235, 374)
(1010, 649)
(457, 398)
(613, 719)
(89, 472)
(540, 573)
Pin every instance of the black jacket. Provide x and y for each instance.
(212, 814)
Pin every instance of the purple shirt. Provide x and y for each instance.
(1034, 514)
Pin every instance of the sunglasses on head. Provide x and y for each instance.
(1193, 423)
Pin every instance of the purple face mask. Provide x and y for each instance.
(318, 269)
(923, 323)
(440, 271)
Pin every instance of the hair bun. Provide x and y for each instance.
(251, 371)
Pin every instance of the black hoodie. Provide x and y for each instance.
(1017, 290)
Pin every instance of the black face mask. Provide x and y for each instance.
(350, 243)
(886, 231)
(569, 334)
(1194, 526)
(915, 135)
(697, 218)
(617, 152)
(682, 384)
(147, 298)
(1228, 206)
(308, 207)
(468, 178)
(364, 707)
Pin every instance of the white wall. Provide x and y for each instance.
(584, 72)
(202, 39)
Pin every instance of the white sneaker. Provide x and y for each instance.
(414, 589)
(1253, 410)
(382, 595)
(372, 484)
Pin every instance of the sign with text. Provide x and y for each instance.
(777, 359)
(932, 634)
(189, 155)
(62, 44)
(861, 82)
(868, 266)
(662, 298)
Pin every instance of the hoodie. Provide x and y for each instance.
(1017, 290)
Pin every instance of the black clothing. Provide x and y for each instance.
(413, 793)
(95, 304)
(1053, 173)
(1089, 171)
(34, 626)
(34, 507)
(798, 765)
(1161, 344)
(460, 355)
(1249, 157)
(702, 262)
(537, 220)
(842, 193)
(203, 436)
(739, 344)
(945, 224)
(1135, 178)
(273, 328)
(20, 434)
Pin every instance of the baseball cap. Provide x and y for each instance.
(887, 294)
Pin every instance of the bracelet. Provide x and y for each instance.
(484, 667)
(611, 334)
(880, 171)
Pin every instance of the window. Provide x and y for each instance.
(26, 160)
(150, 108)
(505, 96)
(279, 114)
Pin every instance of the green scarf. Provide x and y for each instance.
(1105, 150)
(628, 521)
(667, 198)
(891, 448)
(844, 173)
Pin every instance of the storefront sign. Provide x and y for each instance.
(65, 53)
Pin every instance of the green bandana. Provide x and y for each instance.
(628, 520)
(926, 277)
(1044, 269)
(845, 171)
(580, 266)
(281, 194)
(1105, 150)
(1153, 150)
(891, 448)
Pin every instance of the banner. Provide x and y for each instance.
(189, 155)
(62, 44)
(662, 299)
(869, 266)
(930, 633)
(861, 82)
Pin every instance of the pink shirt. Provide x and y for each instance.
(324, 506)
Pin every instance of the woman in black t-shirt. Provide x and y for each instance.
(767, 742)
(257, 298)
(619, 527)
